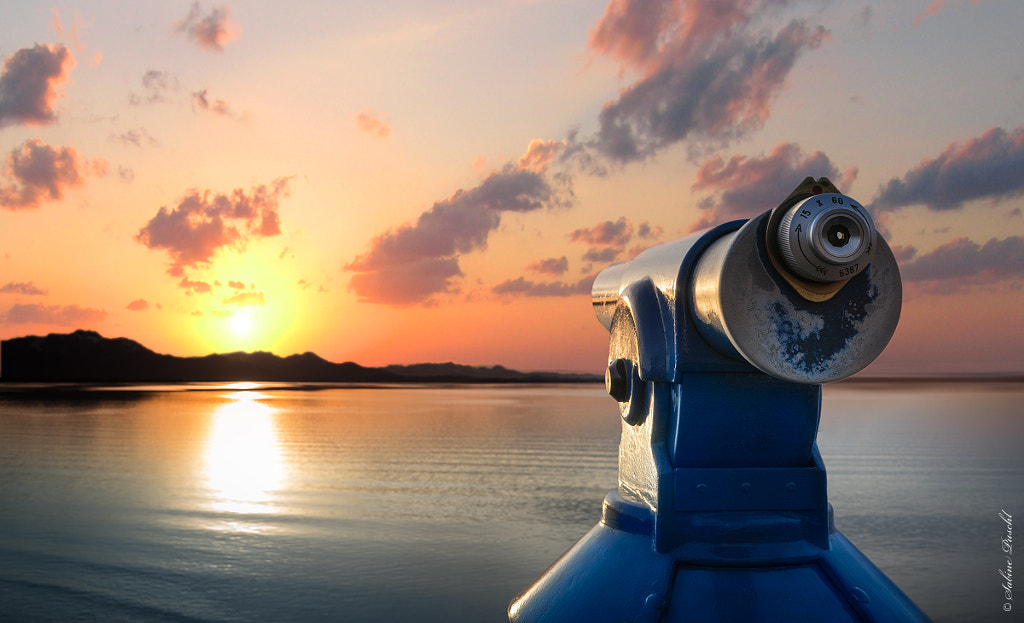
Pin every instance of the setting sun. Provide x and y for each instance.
(241, 323)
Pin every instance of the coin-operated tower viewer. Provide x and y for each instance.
(719, 345)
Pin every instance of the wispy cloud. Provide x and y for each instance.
(550, 266)
(411, 264)
(138, 137)
(197, 287)
(37, 172)
(246, 298)
(217, 106)
(608, 239)
(204, 222)
(211, 31)
(158, 87)
(26, 288)
(521, 286)
(710, 70)
(608, 233)
(60, 315)
(73, 36)
(933, 9)
(374, 123)
(137, 305)
(986, 167)
(29, 81)
(742, 187)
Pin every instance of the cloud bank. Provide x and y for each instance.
(204, 222)
(985, 167)
(26, 288)
(37, 172)
(523, 287)
(29, 81)
(963, 262)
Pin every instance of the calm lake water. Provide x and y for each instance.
(436, 503)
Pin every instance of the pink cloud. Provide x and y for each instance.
(29, 81)
(373, 123)
(60, 315)
(744, 187)
(608, 240)
(204, 222)
(72, 36)
(936, 7)
(212, 31)
(539, 154)
(137, 305)
(37, 172)
(613, 233)
(710, 70)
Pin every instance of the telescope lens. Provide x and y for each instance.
(842, 237)
(826, 238)
(838, 236)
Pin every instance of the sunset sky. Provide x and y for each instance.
(398, 182)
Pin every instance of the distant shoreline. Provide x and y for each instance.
(88, 357)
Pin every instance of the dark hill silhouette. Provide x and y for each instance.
(86, 356)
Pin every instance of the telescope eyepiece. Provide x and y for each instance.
(826, 238)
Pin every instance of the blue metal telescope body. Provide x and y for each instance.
(716, 358)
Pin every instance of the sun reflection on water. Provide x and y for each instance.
(244, 464)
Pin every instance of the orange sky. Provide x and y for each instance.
(434, 181)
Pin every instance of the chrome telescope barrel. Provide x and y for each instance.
(818, 307)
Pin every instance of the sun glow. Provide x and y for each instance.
(244, 464)
(241, 323)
